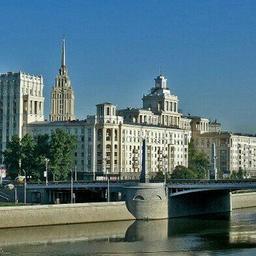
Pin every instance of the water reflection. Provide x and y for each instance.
(64, 233)
(179, 235)
(147, 231)
(199, 224)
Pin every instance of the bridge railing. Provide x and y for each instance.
(85, 182)
(169, 181)
(206, 181)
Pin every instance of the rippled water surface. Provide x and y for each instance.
(219, 235)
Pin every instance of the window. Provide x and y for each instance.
(99, 135)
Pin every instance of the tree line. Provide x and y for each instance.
(30, 154)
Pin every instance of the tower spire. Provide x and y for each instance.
(63, 53)
(62, 100)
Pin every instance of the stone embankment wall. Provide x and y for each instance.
(243, 200)
(41, 215)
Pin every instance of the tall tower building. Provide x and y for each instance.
(161, 102)
(21, 102)
(62, 97)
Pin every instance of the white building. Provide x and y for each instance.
(233, 151)
(21, 102)
(111, 141)
(108, 145)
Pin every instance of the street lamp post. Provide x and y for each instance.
(108, 188)
(71, 187)
(94, 175)
(75, 174)
(25, 182)
(13, 187)
(25, 187)
(46, 171)
(19, 165)
(165, 167)
(106, 171)
(15, 195)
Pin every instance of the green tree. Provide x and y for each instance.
(19, 150)
(159, 177)
(42, 145)
(197, 161)
(239, 175)
(41, 152)
(32, 152)
(62, 148)
(28, 155)
(182, 172)
(12, 154)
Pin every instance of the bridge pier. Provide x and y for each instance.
(199, 203)
(147, 201)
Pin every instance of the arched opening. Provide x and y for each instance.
(138, 197)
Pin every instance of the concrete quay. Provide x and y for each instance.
(42, 215)
(243, 200)
(142, 202)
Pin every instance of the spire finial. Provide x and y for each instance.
(63, 53)
(160, 70)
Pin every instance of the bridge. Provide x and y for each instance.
(174, 183)
(185, 197)
(193, 197)
(177, 187)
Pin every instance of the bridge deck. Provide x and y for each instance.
(181, 185)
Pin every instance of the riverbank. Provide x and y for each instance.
(243, 199)
(45, 215)
(178, 236)
(42, 215)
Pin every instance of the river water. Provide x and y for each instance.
(218, 235)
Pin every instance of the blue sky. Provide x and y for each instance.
(207, 50)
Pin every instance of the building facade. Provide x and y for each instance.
(62, 96)
(108, 145)
(233, 151)
(21, 102)
(111, 140)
